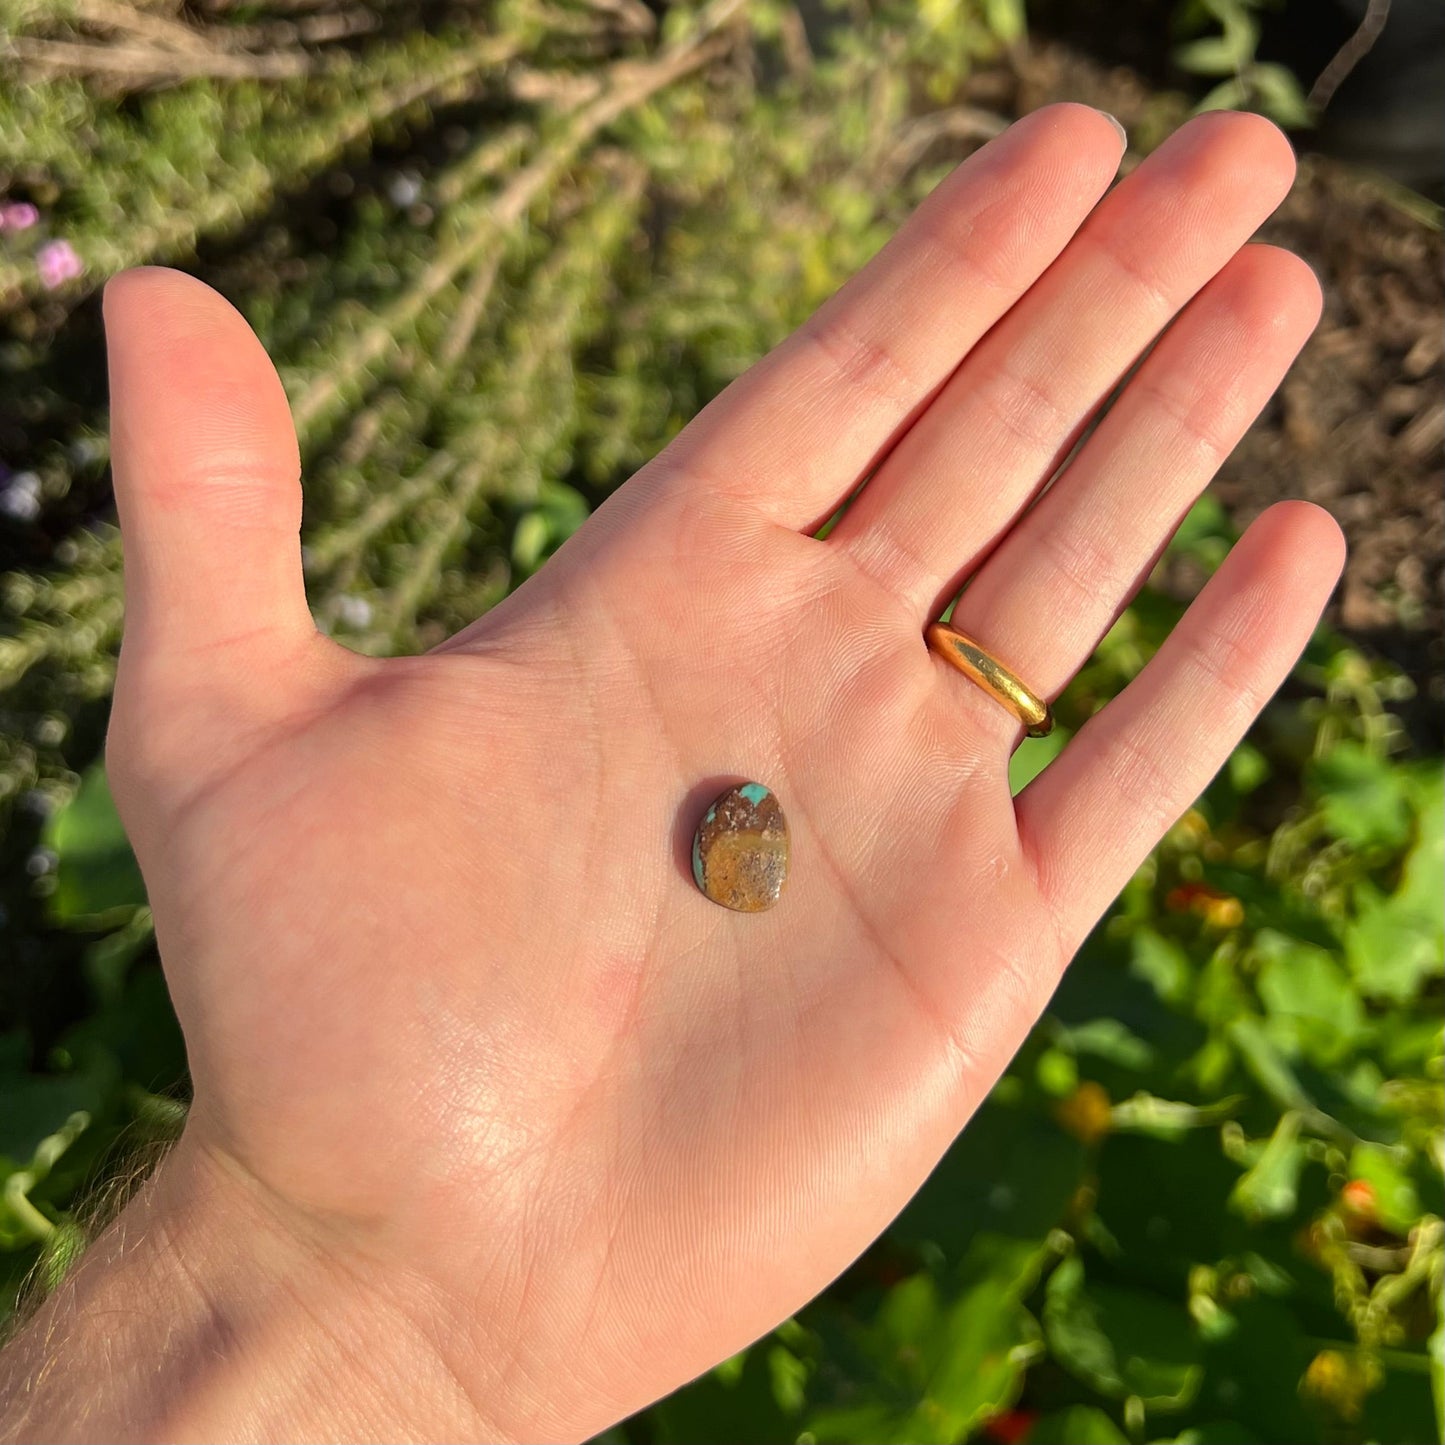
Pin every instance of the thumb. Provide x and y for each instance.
(207, 484)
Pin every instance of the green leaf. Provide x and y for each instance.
(1252, 1371)
(1011, 1173)
(1307, 996)
(1006, 19)
(1396, 1201)
(1280, 95)
(1166, 1200)
(1145, 1113)
(1392, 950)
(1206, 533)
(945, 1360)
(1229, 96)
(1032, 756)
(1162, 963)
(1213, 55)
(1057, 1073)
(1420, 882)
(1121, 1341)
(1261, 1056)
(565, 507)
(530, 539)
(97, 877)
(987, 1341)
(137, 1035)
(1402, 1404)
(1362, 796)
(1248, 768)
(1396, 943)
(1270, 1187)
(1112, 1040)
(1078, 1425)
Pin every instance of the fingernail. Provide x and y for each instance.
(1114, 121)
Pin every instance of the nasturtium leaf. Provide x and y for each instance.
(1011, 1173)
(1251, 1373)
(947, 1358)
(987, 1342)
(1165, 1199)
(1121, 1341)
(1363, 799)
(1391, 947)
(1309, 1003)
(1395, 942)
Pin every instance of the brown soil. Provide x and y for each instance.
(1359, 424)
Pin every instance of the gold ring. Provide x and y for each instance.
(993, 677)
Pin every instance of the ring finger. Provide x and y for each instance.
(1056, 583)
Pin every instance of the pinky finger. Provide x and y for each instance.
(1091, 818)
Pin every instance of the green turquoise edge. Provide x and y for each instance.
(754, 793)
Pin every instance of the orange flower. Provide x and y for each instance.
(1087, 1113)
(1360, 1204)
(1218, 910)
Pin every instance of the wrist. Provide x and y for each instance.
(203, 1312)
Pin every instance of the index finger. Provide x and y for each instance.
(796, 433)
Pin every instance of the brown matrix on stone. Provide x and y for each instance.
(741, 852)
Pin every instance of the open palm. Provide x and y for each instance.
(456, 1011)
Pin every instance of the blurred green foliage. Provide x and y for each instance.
(1221, 44)
(501, 261)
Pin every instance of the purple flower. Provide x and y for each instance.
(18, 216)
(57, 264)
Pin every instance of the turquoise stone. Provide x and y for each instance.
(741, 850)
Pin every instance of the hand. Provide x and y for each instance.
(463, 1032)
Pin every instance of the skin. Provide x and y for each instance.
(501, 1129)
